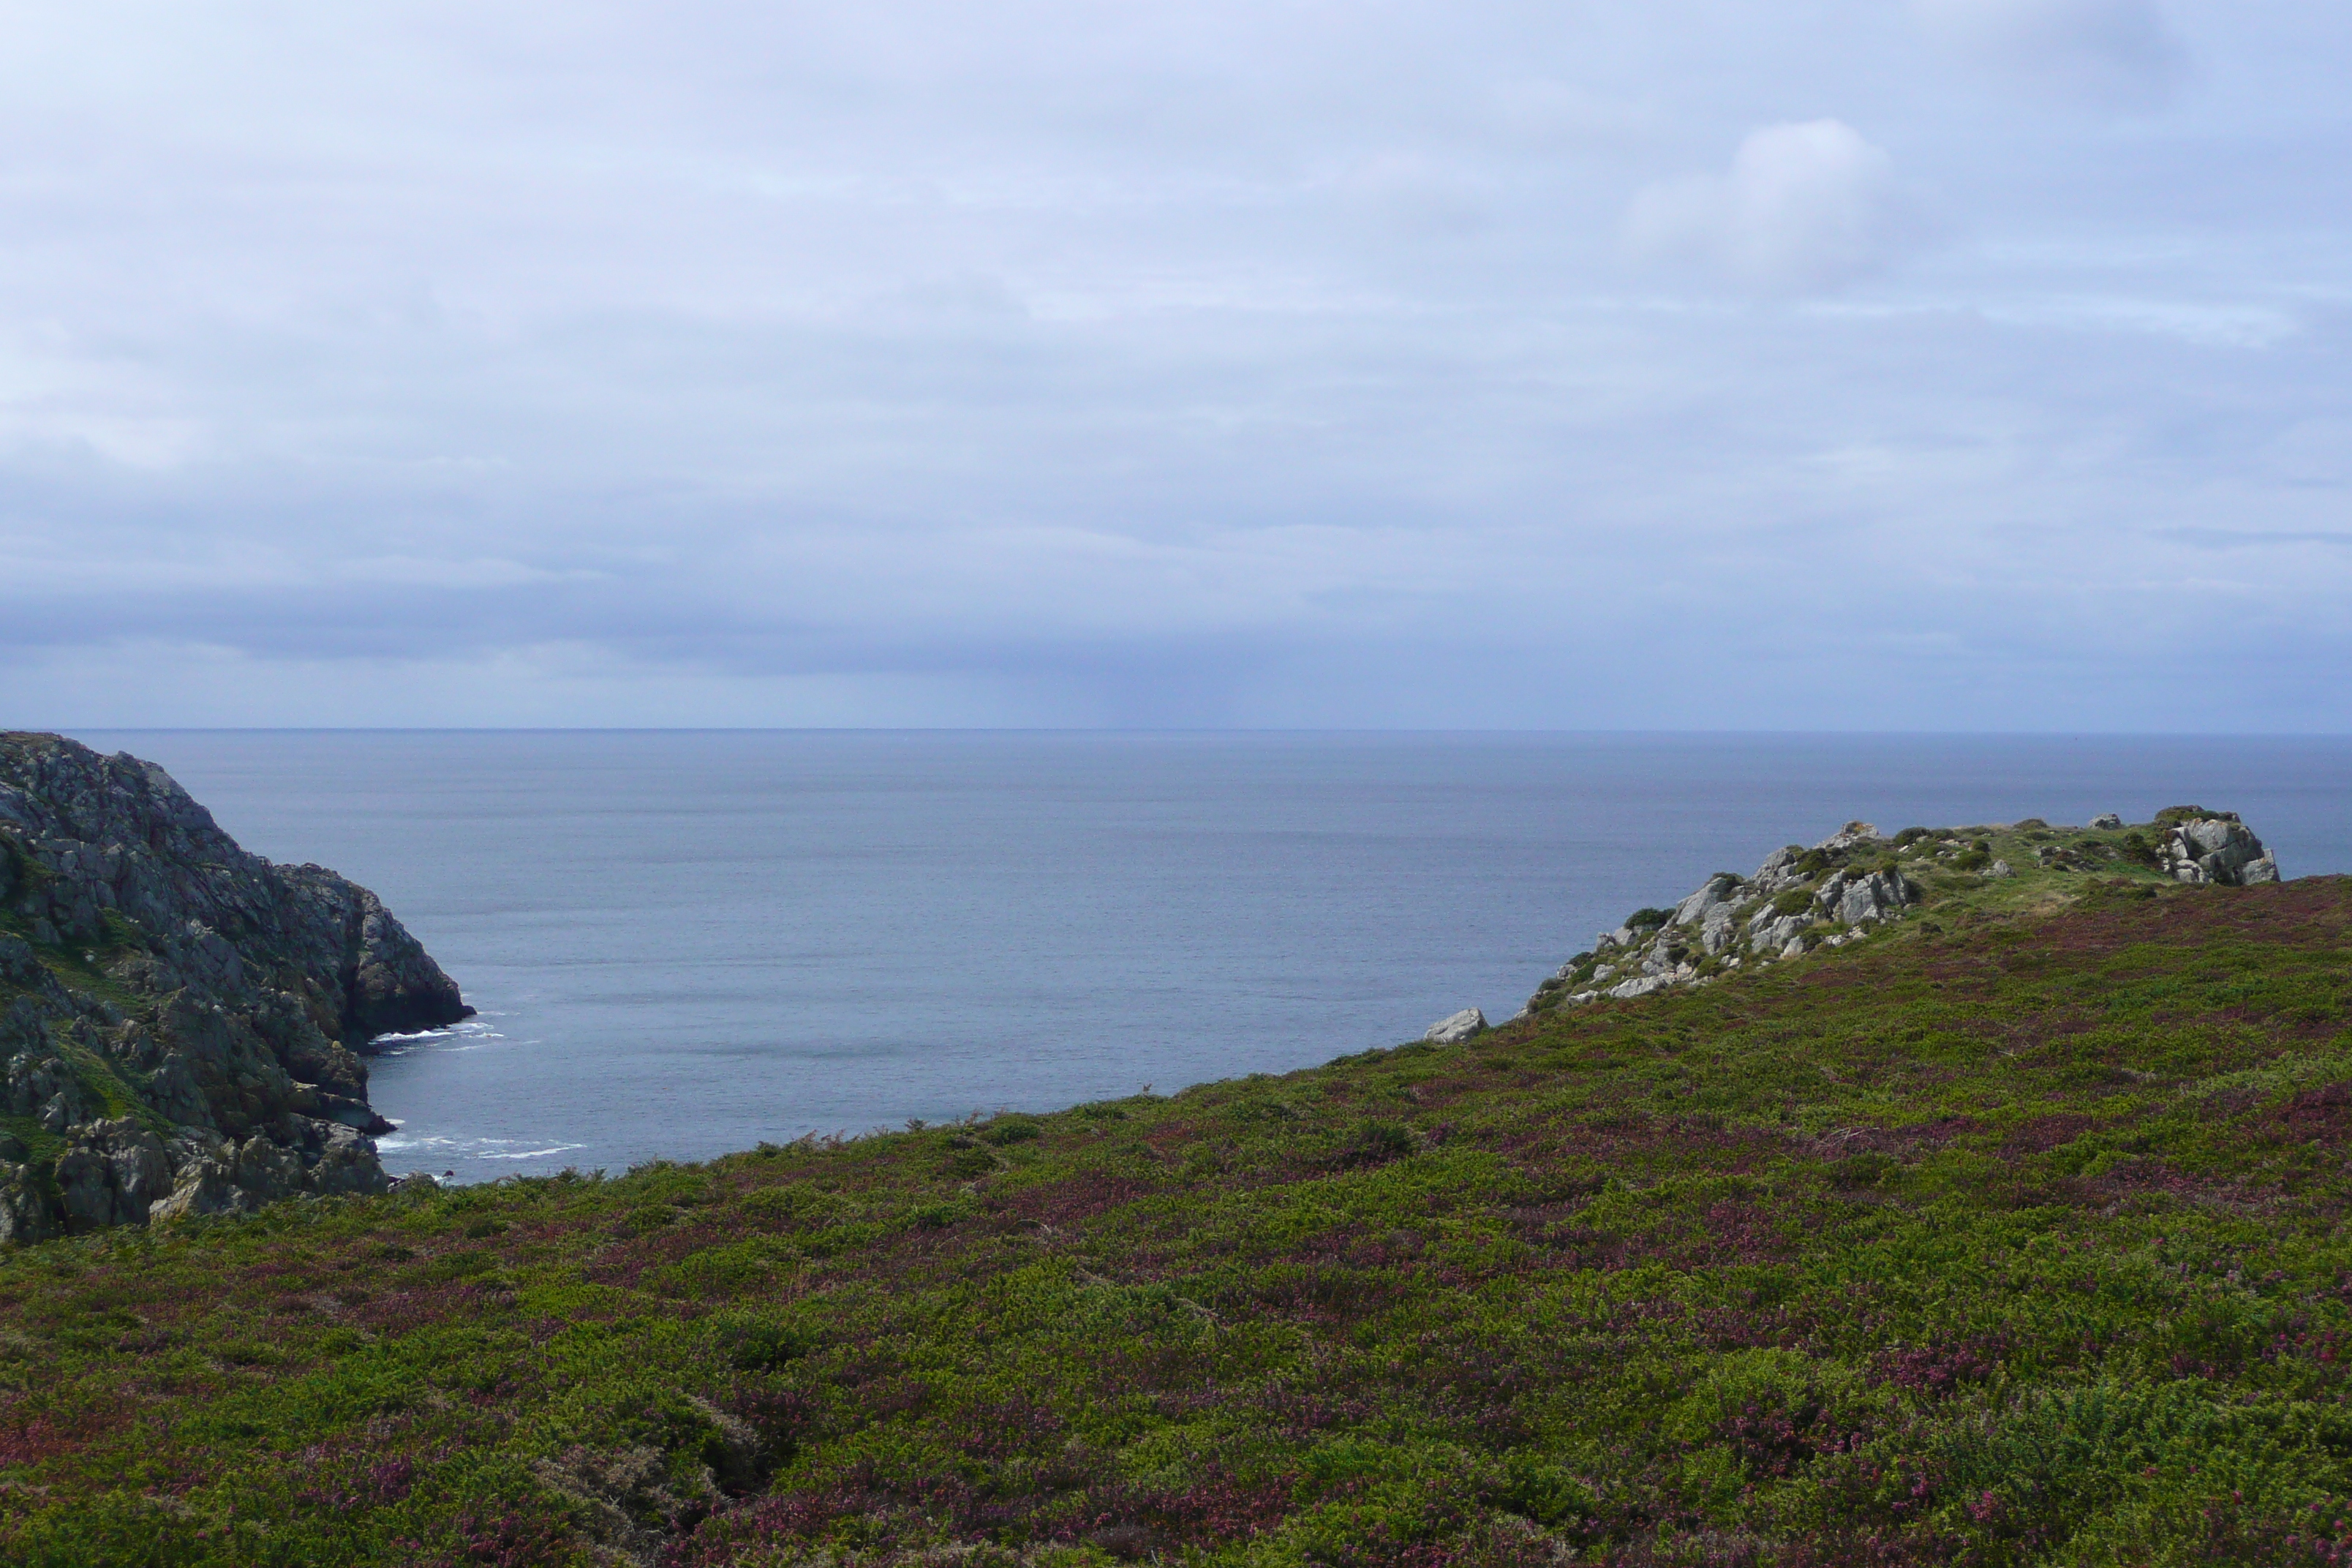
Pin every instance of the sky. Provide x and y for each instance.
(1907, 365)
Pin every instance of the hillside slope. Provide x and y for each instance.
(2008, 1232)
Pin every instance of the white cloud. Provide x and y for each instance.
(1804, 207)
(2116, 54)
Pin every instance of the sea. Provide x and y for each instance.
(682, 944)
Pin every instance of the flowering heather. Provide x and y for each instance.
(2010, 1234)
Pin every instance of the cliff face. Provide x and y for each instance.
(178, 1018)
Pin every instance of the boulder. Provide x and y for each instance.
(111, 1174)
(1719, 930)
(205, 1188)
(1719, 889)
(2219, 850)
(1640, 986)
(1456, 1028)
(1856, 900)
(2106, 822)
(26, 1212)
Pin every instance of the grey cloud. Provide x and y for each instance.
(2116, 54)
(1220, 364)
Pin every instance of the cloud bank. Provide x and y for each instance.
(1682, 366)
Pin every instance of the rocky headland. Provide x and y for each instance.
(181, 1021)
(1834, 893)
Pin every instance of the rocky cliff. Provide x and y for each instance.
(180, 1021)
(1834, 893)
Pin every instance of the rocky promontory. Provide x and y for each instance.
(1855, 879)
(180, 1022)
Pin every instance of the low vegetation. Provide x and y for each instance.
(2004, 1235)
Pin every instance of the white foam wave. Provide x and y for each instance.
(467, 1148)
(473, 1031)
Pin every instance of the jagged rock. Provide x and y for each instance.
(1846, 838)
(1456, 1028)
(1640, 986)
(2106, 822)
(2217, 849)
(1777, 932)
(231, 1000)
(1719, 929)
(1999, 868)
(1694, 910)
(1856, 900)
(111, 1174)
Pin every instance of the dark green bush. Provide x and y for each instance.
(1376, 1143)
(758, 1345)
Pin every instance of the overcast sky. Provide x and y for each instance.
(1656, 364)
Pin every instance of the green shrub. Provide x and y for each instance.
(1376, 1143)
(1794, 901)
(760, 1344)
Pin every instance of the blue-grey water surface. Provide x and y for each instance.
(684, 943)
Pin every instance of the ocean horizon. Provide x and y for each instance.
(683, 943)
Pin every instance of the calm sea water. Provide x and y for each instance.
(684, 943)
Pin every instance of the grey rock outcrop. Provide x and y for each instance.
(1855, 880)
(180, 1022)
(1456, 1028)
(1797, 896)
(2218, 849)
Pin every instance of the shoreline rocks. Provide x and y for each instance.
(181, 1024)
